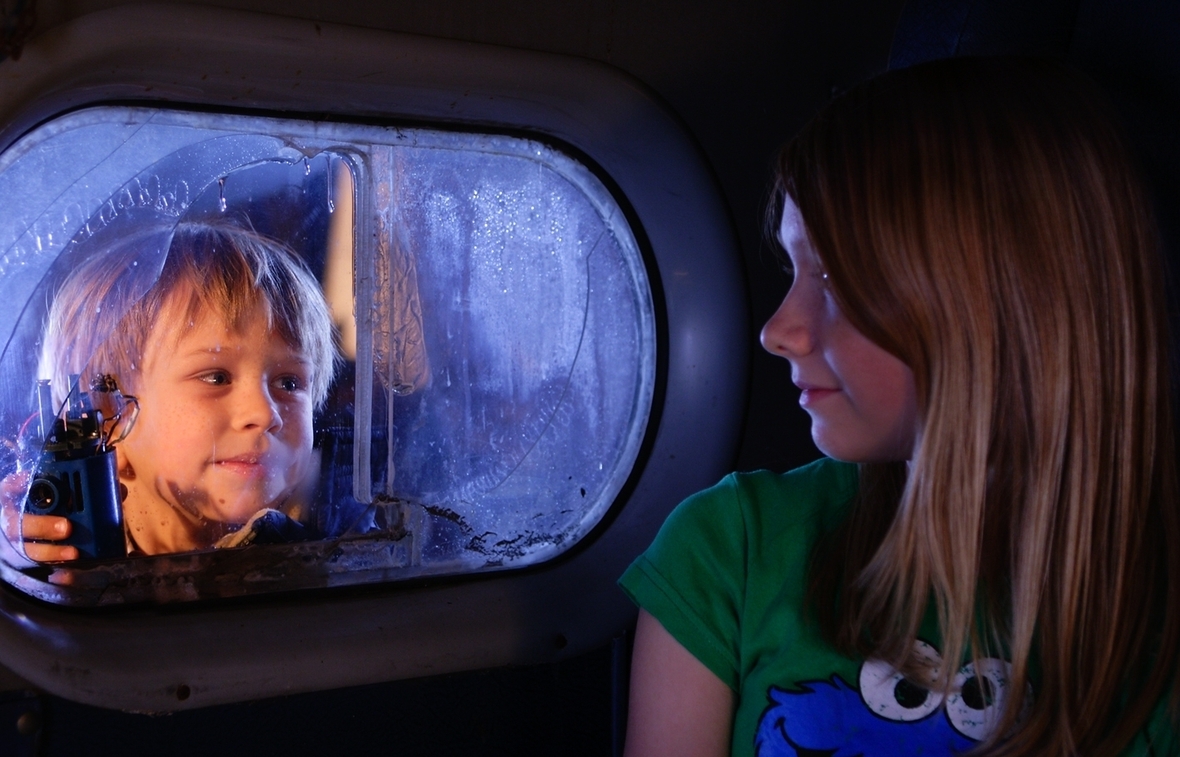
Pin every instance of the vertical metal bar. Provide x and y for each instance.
(367, 230)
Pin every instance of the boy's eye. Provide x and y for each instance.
(289, 383)
(215, 378)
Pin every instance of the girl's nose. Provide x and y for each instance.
(788, 333)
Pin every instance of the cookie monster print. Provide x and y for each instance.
(886, 716)
(829, 718)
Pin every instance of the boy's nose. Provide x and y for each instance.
(787, 333)
(258, 410)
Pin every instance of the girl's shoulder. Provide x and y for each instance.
(759, 513)
(817, 493)
(726, 555)
(822, 481)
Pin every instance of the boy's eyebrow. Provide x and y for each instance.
(209, 349)
(295, 355)
(200, 351)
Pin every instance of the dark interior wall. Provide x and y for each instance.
(742, 75)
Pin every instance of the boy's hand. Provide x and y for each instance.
(48, 528)
(44, 527)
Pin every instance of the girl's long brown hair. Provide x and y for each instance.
(981, 220)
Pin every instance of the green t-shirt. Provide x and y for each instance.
(726, 576)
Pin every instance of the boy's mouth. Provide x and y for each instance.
(249, 465)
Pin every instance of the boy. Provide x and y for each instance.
(229, 352)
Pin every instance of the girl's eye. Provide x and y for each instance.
(215, 378)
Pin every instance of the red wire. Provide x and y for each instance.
(25, 426)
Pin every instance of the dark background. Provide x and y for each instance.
(741, 75)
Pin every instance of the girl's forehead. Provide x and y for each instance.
(792, 232)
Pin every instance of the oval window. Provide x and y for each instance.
(247, 354)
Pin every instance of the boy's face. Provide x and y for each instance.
(225, 422)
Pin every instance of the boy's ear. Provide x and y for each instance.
(126, 472)
(103, 402)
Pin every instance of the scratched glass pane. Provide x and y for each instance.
(510, 425)
(491, 312)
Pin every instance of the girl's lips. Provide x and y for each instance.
(812, 395)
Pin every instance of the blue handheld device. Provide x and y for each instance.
(76, 475)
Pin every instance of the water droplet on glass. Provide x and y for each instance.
(306, 167)
(331, 205)
(221, 192)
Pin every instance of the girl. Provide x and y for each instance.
(977, 325)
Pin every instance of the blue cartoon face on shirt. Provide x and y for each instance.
(887, 715)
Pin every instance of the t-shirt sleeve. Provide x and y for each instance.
(692, 577)
(1158, 738)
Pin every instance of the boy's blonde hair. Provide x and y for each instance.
(104, 311)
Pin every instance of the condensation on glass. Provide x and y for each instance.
(492, 316)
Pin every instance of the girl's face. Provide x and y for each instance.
(860, 397)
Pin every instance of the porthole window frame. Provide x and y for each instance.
(398, 631)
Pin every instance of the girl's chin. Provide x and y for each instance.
(828, 443)
(860, 453)
(838, 447)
